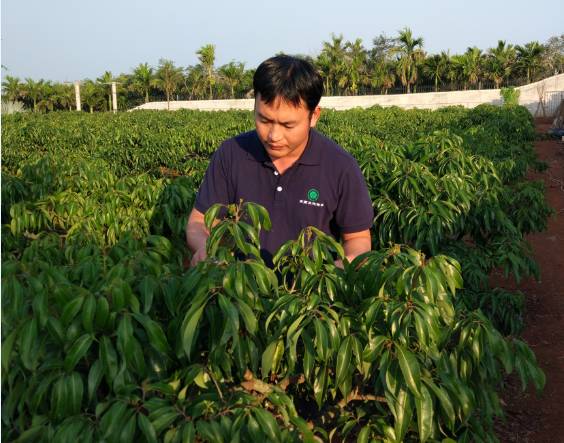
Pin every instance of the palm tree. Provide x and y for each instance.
(106, 79)
(63, 96)
(500, 62)
(356, 64)
(206, 55)
(335, 52)
(436, 67)
(323, 64)
(47, 96)
(529, 58)
(195, 82)
(455, 71)
(168, 78)
(12, 89)
(142, 79)
(92, 95)
(383, 76)
(33, 90)
(472, 68)
(411, 55)
(232, 73)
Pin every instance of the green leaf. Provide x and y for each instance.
(112, 420)
(344, 361)
(71, 309)
(128, 431)
(147, 287)
(374, 348)
(403, 413)
(32, 434)
(320, 386)
(28, 344)
(211, 215)
(301, 425)
(248, 316)
(108, 357)
(75, 390)
(40, 308)
(165, 420)
(88, 313)
(94, 378)
(102, 313)
(268, 424)
(230, 316)
(444, 400)
(268, 358)
(188, 433)
(410, 368)
(188, 328)
(321, 340)
(7, 346)
(363, 435)
(425, 411)
(156, 335)
(78, 350)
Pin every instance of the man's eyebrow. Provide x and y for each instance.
(263, 117)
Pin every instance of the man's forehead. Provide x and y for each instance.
(280, 103)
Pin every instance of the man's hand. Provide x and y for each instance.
(354, 244)
(199, 255)
(196, 236)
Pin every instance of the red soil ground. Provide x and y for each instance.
(532, 418)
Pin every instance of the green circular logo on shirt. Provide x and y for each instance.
(313, 194)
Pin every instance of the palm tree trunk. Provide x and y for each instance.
(147, 96)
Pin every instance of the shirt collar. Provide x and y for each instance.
(310, 156)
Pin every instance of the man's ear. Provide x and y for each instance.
(314, 116)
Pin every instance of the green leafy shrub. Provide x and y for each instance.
(510, 96)
(105, 336)
(124, 345)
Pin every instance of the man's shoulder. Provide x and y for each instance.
(331, 151)
(239, 147)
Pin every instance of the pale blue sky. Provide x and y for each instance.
(66, 40)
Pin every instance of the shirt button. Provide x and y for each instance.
(279, 188)
(275, 172)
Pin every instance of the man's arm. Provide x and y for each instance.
(354, 244)
(196, 236)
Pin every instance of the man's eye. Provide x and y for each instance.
(288, 126)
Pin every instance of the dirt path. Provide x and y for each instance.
(531, 418)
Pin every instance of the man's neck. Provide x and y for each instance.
(285, 163)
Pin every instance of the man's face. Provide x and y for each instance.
(282, 127)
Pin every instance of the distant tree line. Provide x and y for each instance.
(392, 65)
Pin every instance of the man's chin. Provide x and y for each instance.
(276, 153)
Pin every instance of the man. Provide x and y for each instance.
(300, 176)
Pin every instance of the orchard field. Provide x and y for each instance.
(107, 337)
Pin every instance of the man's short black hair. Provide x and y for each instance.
(290, 78)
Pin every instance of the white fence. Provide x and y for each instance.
(536, 97)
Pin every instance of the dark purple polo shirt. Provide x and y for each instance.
(323, 188)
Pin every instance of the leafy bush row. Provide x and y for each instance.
(105, 336)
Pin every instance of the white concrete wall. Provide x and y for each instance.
(529, 97)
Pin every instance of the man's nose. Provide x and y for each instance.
(274, 133)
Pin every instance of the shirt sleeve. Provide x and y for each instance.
(354, 211)
(215, 187)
